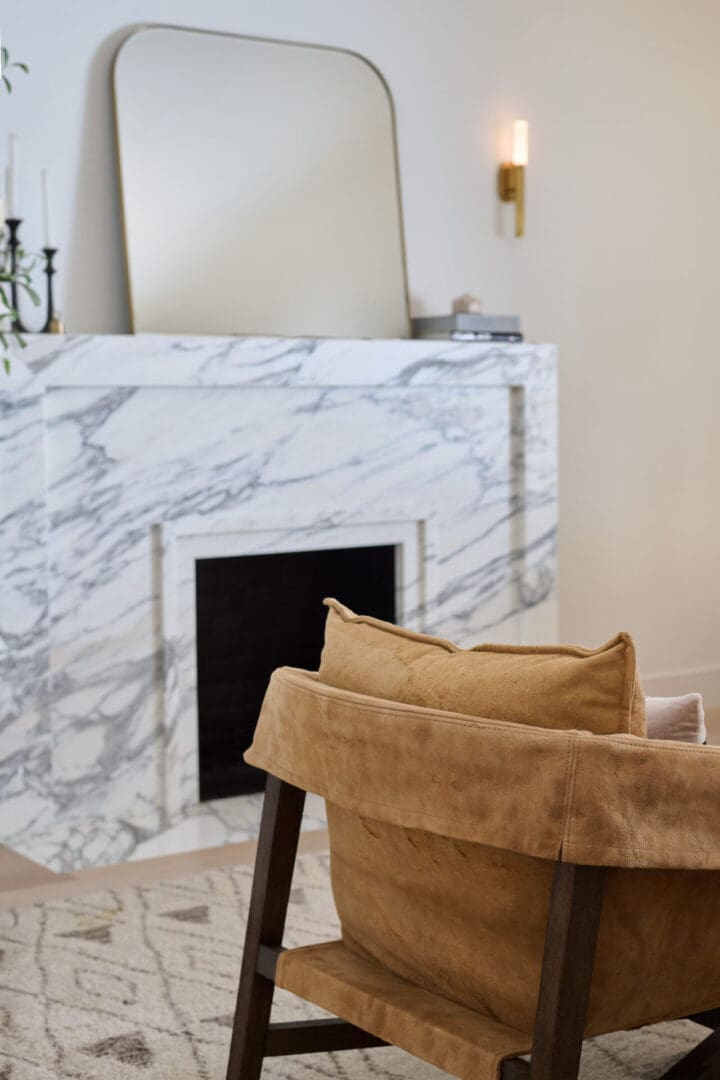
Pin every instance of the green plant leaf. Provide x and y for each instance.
(7, 64)
(6, 364)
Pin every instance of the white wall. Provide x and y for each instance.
(620, 264)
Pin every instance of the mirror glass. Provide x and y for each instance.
(260, 188)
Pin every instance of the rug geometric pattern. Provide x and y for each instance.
(140, 983)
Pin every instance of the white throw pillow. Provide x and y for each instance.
(681, 719)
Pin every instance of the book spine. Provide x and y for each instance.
(485, 335)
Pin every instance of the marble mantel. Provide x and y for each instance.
(124, 459)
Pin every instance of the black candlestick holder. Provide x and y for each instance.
(13, 225)
(48, 327)
(52, 324)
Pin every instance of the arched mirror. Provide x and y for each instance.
(260, 188)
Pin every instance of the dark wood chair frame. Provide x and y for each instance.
(573, 922)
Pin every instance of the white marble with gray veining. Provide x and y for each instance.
(100, 841)
(124, 459)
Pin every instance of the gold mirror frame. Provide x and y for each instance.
(402, 262)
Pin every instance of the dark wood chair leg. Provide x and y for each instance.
(514, 1069)
(710, 1019)
(702, 1062)
(570, 943)
(274, 863)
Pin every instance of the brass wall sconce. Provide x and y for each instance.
(511, 175)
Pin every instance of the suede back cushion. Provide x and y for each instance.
(553, 686)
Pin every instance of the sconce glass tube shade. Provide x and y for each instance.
(511, 175)
(521, 130)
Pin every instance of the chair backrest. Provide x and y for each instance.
(462, 919)
(444, 830)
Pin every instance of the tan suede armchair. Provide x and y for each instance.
(502, 889)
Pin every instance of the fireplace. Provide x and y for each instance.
(226, 448)
(255, 613)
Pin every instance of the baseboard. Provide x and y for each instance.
(705, 681)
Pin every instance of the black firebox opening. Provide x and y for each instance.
(256, 613)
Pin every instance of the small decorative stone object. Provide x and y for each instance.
(467, 303)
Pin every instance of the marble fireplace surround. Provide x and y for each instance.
(123, 460)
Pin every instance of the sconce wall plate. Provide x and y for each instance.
(511, 188)
(511, 176)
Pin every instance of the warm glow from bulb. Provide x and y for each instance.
(520, 142)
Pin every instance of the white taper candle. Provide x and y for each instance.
(45, 206)
(12, 177)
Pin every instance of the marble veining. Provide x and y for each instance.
(123, 459)
(100, 841)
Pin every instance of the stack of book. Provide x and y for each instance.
(467, 326)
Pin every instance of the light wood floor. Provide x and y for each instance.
(17, 872)
(23, 881)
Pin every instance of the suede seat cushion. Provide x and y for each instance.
(553, 686)
(461, 1041)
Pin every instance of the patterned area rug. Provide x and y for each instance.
(139, 984)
